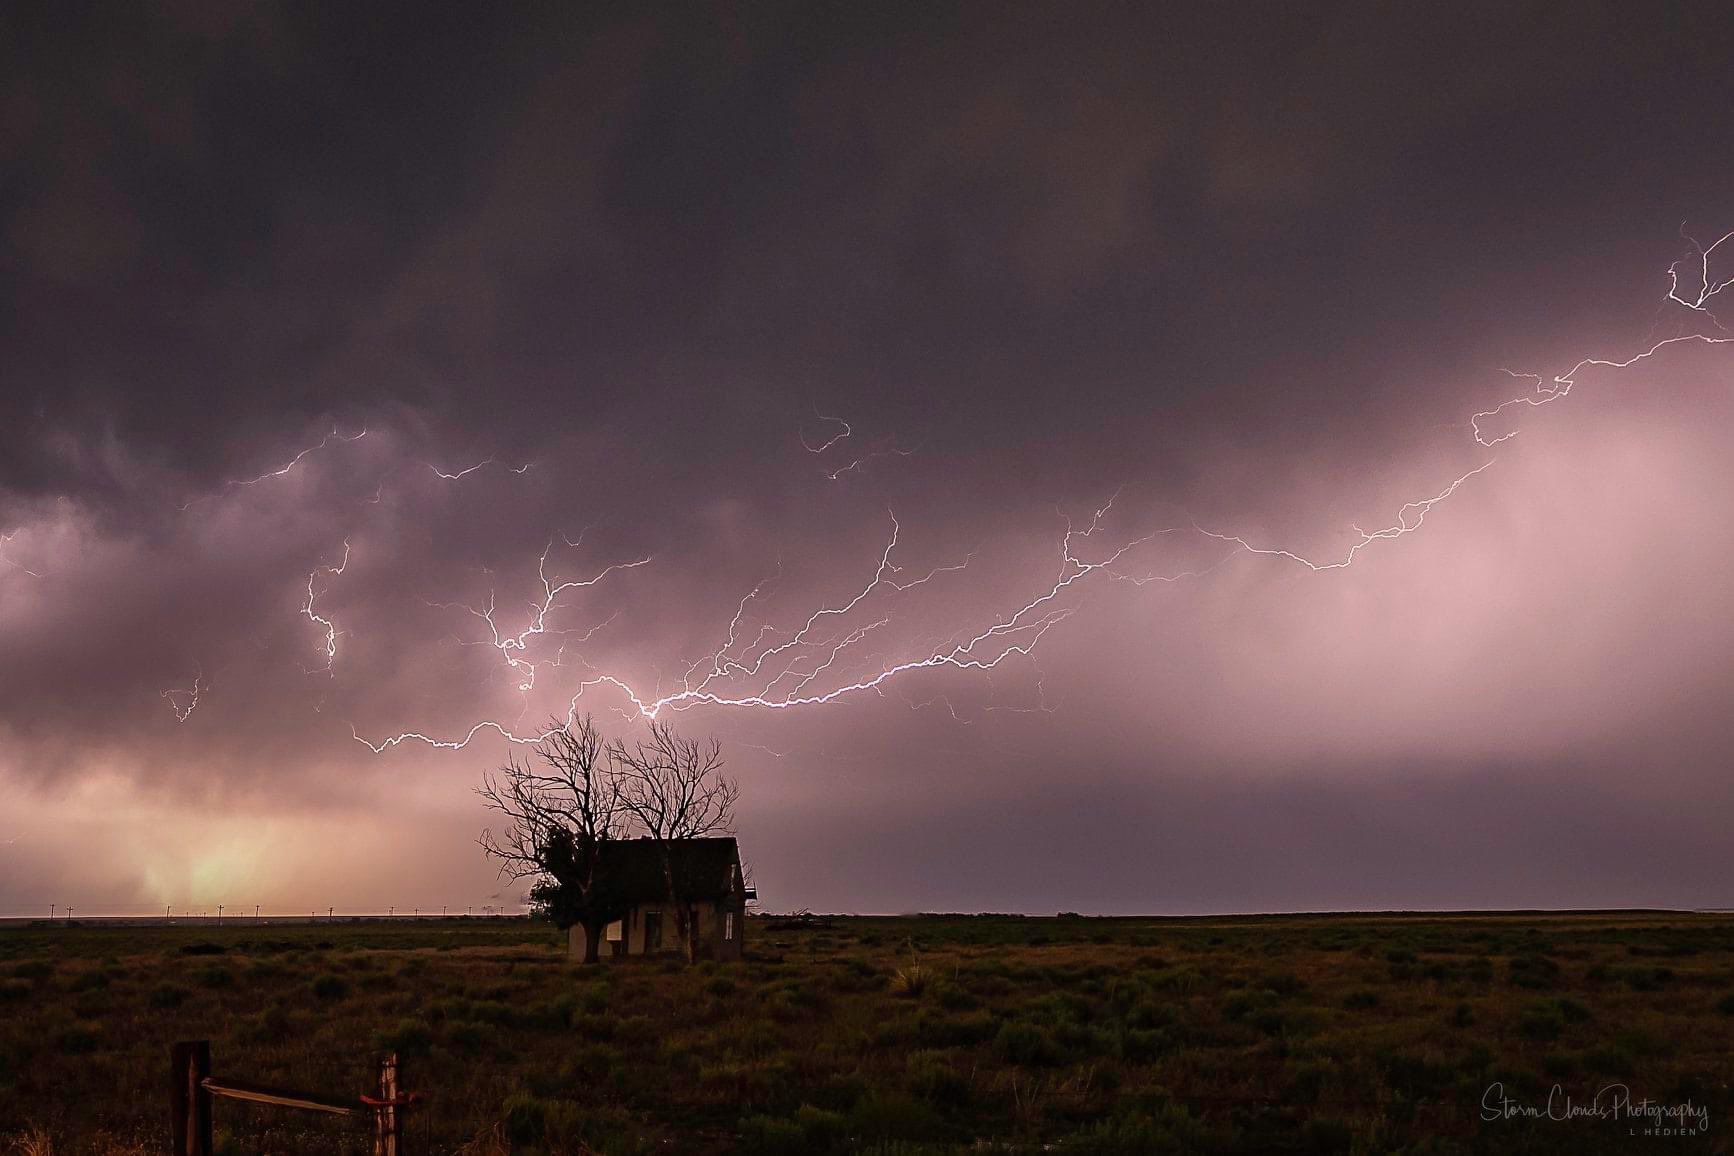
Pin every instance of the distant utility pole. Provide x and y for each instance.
(166, 908)
(51, 908)
(442, 911)
(219, 915)
(69, 917)
(390, 911)
(255, 912)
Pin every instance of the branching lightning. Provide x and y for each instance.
(847, 430)
(858, 643)
(1561, 385)
(464, 473)
(512, 647)
(285, 469)
(325, 624)
(13, 564)
(1409, 519)
(814, 662)
(883, 449)
(1708, 287)
(184, 700)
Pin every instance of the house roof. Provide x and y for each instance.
(700, 867)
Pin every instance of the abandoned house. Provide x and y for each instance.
(707, 882)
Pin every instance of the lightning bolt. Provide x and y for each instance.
(780, 675)
(828, 443)
(184, 700)
(883, 450)
(1409, 519)
(513, 646)
(889, 452)
(1707, 287)
(20, 567)
(849, 647)
(1561, 384)
(325, 624)
(464, 473)
(287, 468)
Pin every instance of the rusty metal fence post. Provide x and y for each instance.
(190, 1102)
(192, 1089)
(387, 1114)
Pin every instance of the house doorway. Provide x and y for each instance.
(652, 931)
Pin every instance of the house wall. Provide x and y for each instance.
(707, 918)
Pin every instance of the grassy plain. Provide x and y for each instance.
(934, 1034)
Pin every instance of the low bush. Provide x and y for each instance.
(1024, 1043)
(329, 987)
(411, 1037)
(932, 1078)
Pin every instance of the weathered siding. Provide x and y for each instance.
(710, 921)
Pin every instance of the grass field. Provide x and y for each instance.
(906, 1035)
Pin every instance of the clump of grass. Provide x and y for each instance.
(78, 1040)
(273, 1024)
(169, 995)
(946, 1031)
(329, 986)
(1024, 1043)
(526, 1119)
(1646, 978)
(951, 997)
(1179, 979)
(94, 980)
(591, 1064)
(1169, 1128)
(911, 980)
(1361, 1000)
(1536, 972)
(882, 1116)
(810, 1129)
(1547, 1019)
(932, 1078)
(33, 1141)
(217, 977)
(471, 1037)
(1282, 983)
(411, 1037)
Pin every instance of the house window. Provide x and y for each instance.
(612, 934)
(728, 925)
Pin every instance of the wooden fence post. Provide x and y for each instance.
(388, 1116)
(190, 1102)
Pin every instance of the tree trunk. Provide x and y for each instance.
(682, 914)
(593, 933)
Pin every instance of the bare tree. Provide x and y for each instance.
(674, 789)
(561, 806)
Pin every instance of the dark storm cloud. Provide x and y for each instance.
(1255, 265)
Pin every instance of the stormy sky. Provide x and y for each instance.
(1038, 442)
